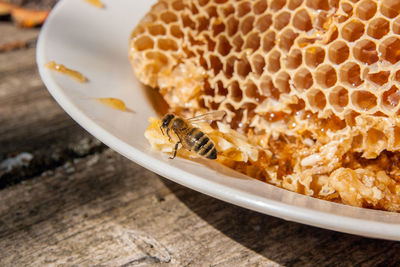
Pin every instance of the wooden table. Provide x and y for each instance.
(78, 203)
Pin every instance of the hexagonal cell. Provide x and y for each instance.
(175, 30)
(264, 22)
(294, 59)
(260, 6)
(338, 98)
(390, 8)
(353, 30)
(338, 52)
(268, 41)
(238, 43)
(157, 29)
(277, 4)
(251, 90)
(227, 10)
(221, 90)
(243, 67)
(229, 66)
(258, 64)
(326, 76)
(178, 5)
(302, 20)
(246, 25)
(316, 99)
(390, 49)
(286, 39)
(216, 64)
(244, 8)
(318, 4)
(380, 78)
(350, 73)
(143, 43)
(217, 27)
(377, 28)
(203, 23)
(366, 9)
(374, 136)
(223, 46)
(235, 93)
(293, 4)
(314, 56)
(274, 63)
(232, 26)
(365, 51)
(168, 17)
(253, 41)
(281, 20)
(347, 8)
(363, 100)
(391, 98)
(396, 26)
(282, 82)
(303, 79)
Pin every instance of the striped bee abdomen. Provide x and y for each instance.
(199, 142)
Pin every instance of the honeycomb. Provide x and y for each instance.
(315, 82)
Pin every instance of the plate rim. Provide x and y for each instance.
(304, 215)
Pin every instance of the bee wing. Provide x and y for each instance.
(210, 116)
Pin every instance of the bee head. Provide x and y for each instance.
(167, 119)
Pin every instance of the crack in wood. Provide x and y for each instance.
(44, 161)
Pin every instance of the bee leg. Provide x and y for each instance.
(176, 149)
(170, 139)
(162, 130)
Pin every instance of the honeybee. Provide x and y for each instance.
(191, 137)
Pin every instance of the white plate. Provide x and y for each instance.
(95, 42)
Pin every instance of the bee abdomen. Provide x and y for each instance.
(209, 151)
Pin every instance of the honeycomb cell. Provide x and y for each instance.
(217, 27)
(294, 59)
(377, 28)
(293, 4)
(347, 8)
(203, 23)
(268, 41)
(350, 74)
(366, 9)
(168, 17)
(397, 76)
(374, 136)
(221, 90)
(260, 6)
(396, 26)
(251, 91)
(228, 10)
(316, 99)
(229, 66)
(157, 29)
(390, 49)
(247, 25)
(264, 22)
(258, 64)
(281, 20)
(338, 52)
(252, 41)
(216, 64)
(390, 8)
(143, 43)
(314, 56)
(353, 30)
(232, 26)
(274, 63)
(326, 76)
(391, 98)
(277, 5)
(339, 98)
(282, 82)
(365, 51)
(178, 5)
(303, 79)
(363, 100)
(212, 12)
(235, 91)
(223, 46)
(244, 8)
(243, 68)
(238, 43)
(203, 2)
(379, 78)
(318, 4)
(302, 20)
(286, 39)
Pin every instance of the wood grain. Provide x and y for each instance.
(95, 208)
